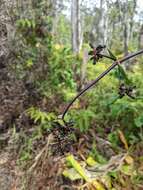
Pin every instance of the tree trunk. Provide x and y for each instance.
(140, 43)
(125, 27)
(132, 20)
(83, 69)
(75, 25)
(101, 24)
(125, 33)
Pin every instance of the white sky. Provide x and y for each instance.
(88, 2)
(140, 4)
(139, 9)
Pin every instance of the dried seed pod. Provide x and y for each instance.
(127, 90)
(131, 92)
(122, 90)
(96, 53)
(99, 48)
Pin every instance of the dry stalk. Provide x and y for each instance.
(42, 155)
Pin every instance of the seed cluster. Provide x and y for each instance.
(127, 90)
(96, 53)
(61, 134)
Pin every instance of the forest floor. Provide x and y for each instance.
(44, 170)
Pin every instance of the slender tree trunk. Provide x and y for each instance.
(81, 31)
(125, 33)
(140, 39)
(125, 27)
(105, 28)
(83, 69)
(101, 24)
(75, 25)
(55, 18)
(132, 20)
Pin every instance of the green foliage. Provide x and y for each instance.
(27, 149)
(104, 106)
(122, 75)
(112, 55)
(96, 155)
(34, 42)
(139, 121)
(49, 66)
(40, 116)
(60, 77)
(43, 123)
(82, 119)
(138, 179)
(63, 32)
(113, 138)
(46, 59)
(26, 23)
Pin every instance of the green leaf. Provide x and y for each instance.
(123, 74)
(127, 169)
(112, 55)
(112, 100)
(113, 174)
(77, 167)
(90, 161)
(139, 121)
(33, 24)
(29, 63)
(71, 174)
(28, 23)
(113, 138)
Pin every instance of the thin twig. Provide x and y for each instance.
(102, 75)
(40, 155)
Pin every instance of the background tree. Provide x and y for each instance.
(75, 14)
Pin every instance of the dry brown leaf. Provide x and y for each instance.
(123, 139)
(129, 159)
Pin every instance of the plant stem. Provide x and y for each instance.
(106, 56)
(94, 82)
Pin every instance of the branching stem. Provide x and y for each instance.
(94, 82)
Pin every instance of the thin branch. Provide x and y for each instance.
(106, 56)
(99, 78)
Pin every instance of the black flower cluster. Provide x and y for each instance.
(127, 90)
(61, 134)
(96, 53)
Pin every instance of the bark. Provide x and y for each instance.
(75, 25)
(55, 18)
(140, 39)
(125, 35)
(83, 69)
(101, 23)
(57, 6)
(132, 20)
(125, 27)
(81, 31)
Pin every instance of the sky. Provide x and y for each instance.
(139, 8)
(140, 4)
(88, 2)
